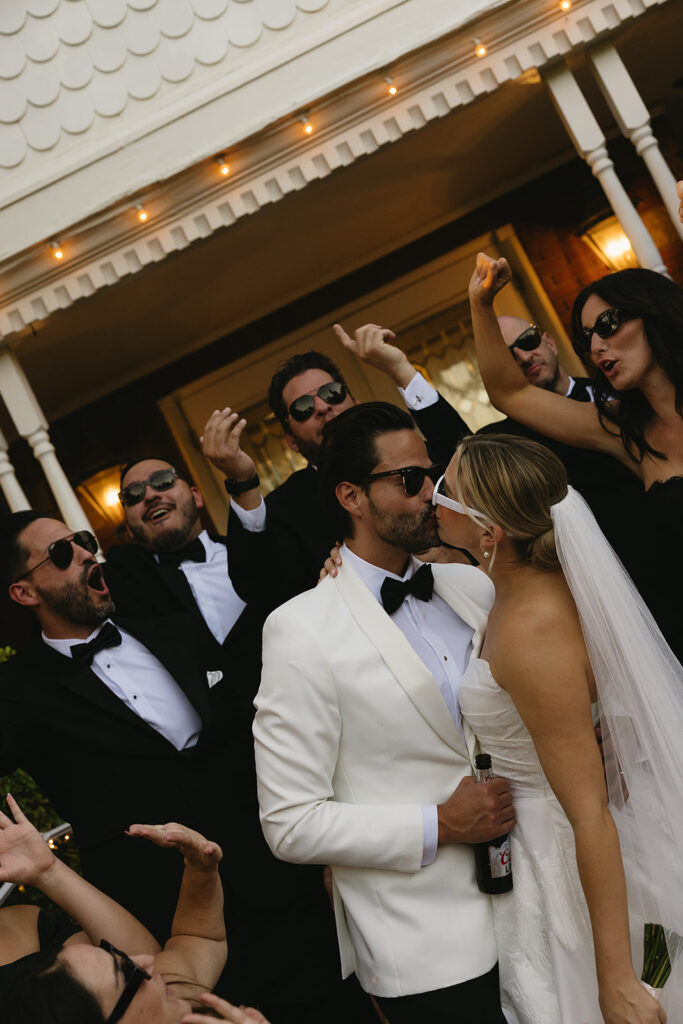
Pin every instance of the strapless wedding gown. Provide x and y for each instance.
(545, 948)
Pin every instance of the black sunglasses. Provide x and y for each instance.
(607, 324)
(61, 551)
(528, 340)
(160, 480)
(331, 393)
(412, 477)
(133, 976)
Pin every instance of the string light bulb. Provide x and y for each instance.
(565, 5)
(479, 48)
(142, 213)
(57, 250)
(222, 166)
(391, 88)
(308, 127)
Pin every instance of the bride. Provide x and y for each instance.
(557, 642)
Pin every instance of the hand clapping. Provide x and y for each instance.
(199, 853)
(24, 855)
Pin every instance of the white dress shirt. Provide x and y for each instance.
(141, 682)
(442, 641)
(212, 589)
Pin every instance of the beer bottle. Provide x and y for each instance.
(491, 859)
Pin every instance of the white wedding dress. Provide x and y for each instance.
(545, 948)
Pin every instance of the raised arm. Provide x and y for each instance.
(574, 423)
(197, 949)
(25, 857)
(550, 683)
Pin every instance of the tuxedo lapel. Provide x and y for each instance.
(395, 650)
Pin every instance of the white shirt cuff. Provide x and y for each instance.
(252, 519)
(419, 394)
(430, 822)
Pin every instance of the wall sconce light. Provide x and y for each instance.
(610, 244)
(391, 88)
(141, 213)
(565, 5)
(308, 127)
(222, 165)
(57, 250)
(479, 48)
(100, 494)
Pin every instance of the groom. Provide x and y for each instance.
(363, 760)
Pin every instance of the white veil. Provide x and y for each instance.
(640, 692)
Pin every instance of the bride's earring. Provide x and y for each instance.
(487, 554)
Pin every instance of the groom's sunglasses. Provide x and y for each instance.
(332, 393)
(412, 477)
(61, 552)
(160, 480)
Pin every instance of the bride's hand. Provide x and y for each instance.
(630, 1004)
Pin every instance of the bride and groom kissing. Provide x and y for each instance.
(380, 685)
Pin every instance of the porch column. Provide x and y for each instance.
(11, 488)
(590, 144)
(30, 422)
(633, 119)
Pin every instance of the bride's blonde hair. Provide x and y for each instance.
(513, 482)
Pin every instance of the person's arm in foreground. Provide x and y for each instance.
(549, 684)
(26, 858)
(197, 949)
(222, 1010)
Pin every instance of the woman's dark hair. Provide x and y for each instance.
(43, 991)
(659, 303)
(292, 367)
(348, 452)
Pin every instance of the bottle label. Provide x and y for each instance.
(499, 860)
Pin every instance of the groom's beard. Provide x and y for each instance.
(410, 531)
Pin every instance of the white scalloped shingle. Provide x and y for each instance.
(142, 5)
(12, 57)
(107, 49)
(141, 77)
(243, 24)
(176, 63)
(208, 41)
(107, 13)
(40, 40)
(41, 84)
(74, 67)
(108, 94)
(276, 14)
(141, 32)
(311, 6)
(12, 145)
(41, 8)
(74, 22)
(209, 9)
(175, 17)
(12, 16)
(74, 111)
(12, 101)
(41, 127)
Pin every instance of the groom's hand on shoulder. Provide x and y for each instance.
(476, 812)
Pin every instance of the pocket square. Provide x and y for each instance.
(214, 677)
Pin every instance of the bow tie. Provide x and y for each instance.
(393, 592)
(108, 636)
(579, 393)
(192, 552)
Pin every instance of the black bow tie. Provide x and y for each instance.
(108, 636)
(421, 584)
(192, 552)
(579, 393)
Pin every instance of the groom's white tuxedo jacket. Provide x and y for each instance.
(352, 738)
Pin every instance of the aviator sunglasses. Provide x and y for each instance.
(528, 340)
(412, 477)
(331, 393)
(160, 480)
(607, 324)
(61, 551)
(133, 977)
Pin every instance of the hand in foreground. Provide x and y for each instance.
(199, 853)
(331, 566)
(224, 1011)
(627, 1002)
(24, 855)
(221, 445)
(679, 189)
(476, 812)
(372, 345)
(489, 277)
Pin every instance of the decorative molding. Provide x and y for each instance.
(352, 122)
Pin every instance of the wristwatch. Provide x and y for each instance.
(235, 487)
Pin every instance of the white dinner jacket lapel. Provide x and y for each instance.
(410, 671)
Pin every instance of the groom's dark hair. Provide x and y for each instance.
(349, 452)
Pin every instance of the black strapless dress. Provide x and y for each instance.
(663, 520)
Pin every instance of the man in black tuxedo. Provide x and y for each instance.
(283, 953)
(535, 352)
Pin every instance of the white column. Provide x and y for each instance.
(589, 141)
(11, 488)
(633, 119)
(28, 418)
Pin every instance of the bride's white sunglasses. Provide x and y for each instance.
(439, 498)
